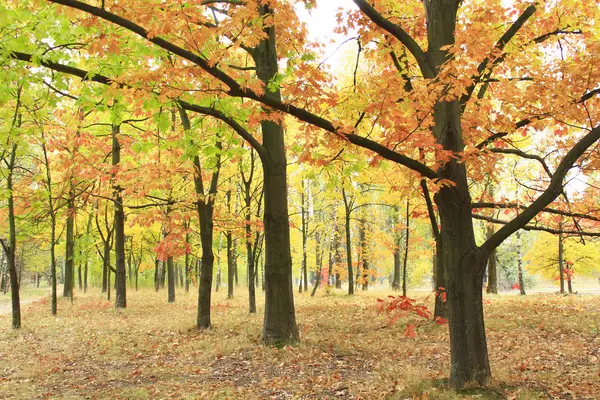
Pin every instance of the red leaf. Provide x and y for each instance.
(409, 331)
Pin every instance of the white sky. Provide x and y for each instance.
(321, 23)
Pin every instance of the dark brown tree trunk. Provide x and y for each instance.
(247, 184)
(10, 247)
(364, 259)
(406, 247)
(280, 317)
(52, 213)
(348, 210)
(156, 274)
(69, 248)
(171, 278)
(187, 268)
(463, 261)
(119, 226)
(204, 208)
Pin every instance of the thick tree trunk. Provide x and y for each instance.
(280, 317)
(119, 225)
(171, 278)
(463, 261)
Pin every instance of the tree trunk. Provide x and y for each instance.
(69, 248)
(397, 244)
(304, 237)
(171, 278)
(280, 317)
(463, 261)
(10, 247)
(406, 241)
(156, 274)
(364, 259)
(318, 262)
(348, 243)
(520, 264)
(119, 226)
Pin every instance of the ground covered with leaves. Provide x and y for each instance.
(544, 347)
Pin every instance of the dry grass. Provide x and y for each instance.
(540, 347)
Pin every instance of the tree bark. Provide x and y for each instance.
(520, 264)
(280, 317)
(348, 210)
(171, 278)
(69, 248)
(10, 247)
(406, 241)
(119, 226)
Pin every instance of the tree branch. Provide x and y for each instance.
(535, 227)
(237, 91)
(400, 34)
(548, 196)
(523, 207)
(502, 42)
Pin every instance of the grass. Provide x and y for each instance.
(541, 347)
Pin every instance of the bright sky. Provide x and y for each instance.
(321, 22)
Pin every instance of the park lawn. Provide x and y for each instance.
(541, 346)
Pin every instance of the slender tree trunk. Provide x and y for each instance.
(348, 243)
(69, 248)
(187, 267)
(364, 259)
(304, 237)
(10, 247)
(520, 264)
(318, 262)
(171, 278)
(397, 244)
(156, 274)
(119, 226)
(218, 283)
(204, 209)
(406, 243)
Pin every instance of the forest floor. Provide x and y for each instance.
(541, 347)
